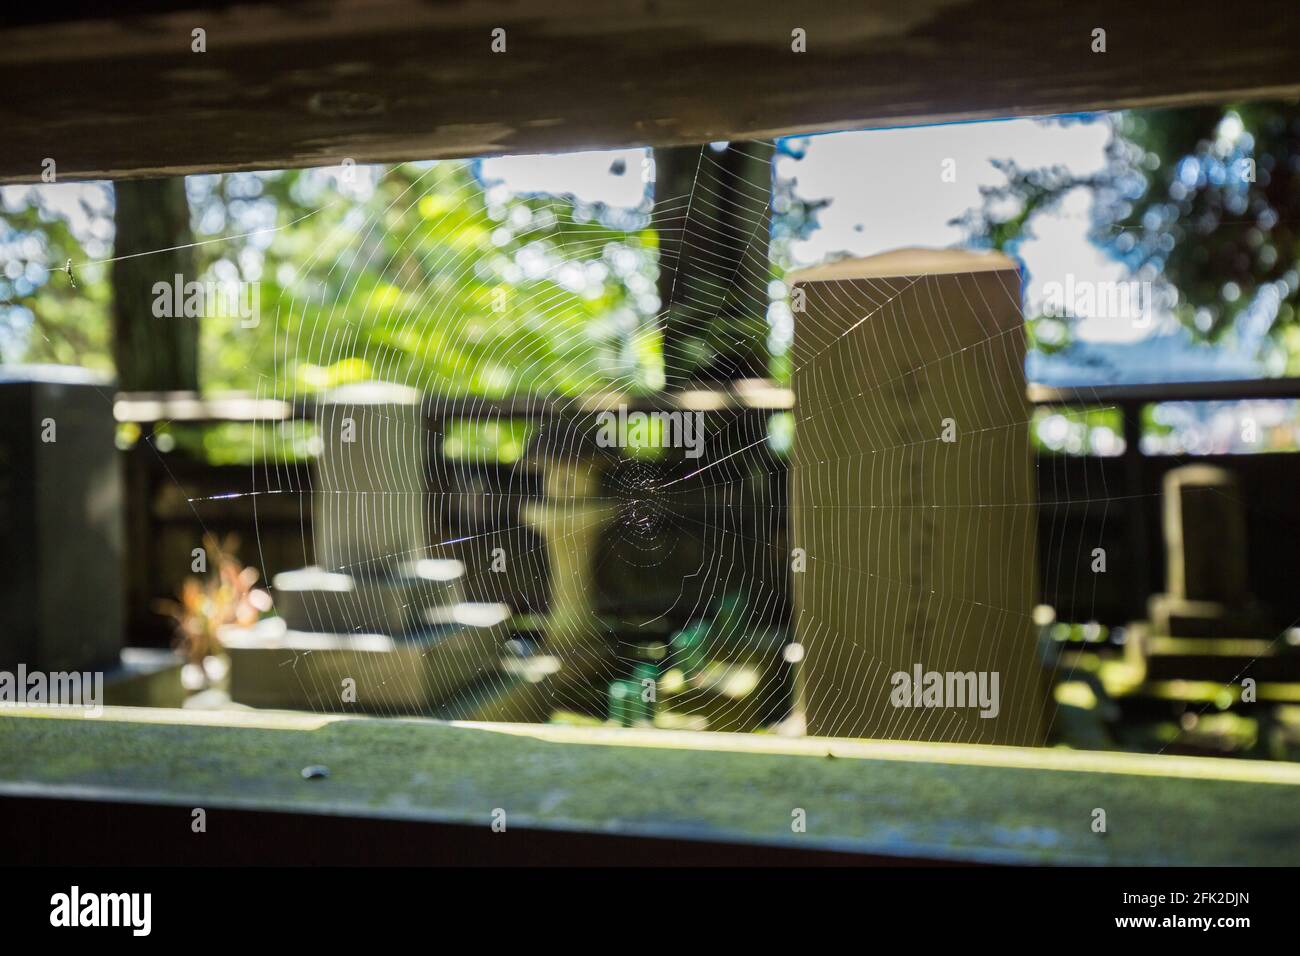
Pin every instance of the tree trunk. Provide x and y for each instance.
(713, 213)
(153, 353)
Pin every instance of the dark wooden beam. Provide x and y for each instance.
(1138, 394)
(313, 83)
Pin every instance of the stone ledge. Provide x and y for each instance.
(894, 800)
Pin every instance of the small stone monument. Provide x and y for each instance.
(379, 623)
(1207, 578)
(370, 519)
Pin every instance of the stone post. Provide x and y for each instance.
(913, 496)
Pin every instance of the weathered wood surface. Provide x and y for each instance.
(911, 801)
(295, 84)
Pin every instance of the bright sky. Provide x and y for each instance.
(887, 193)
(591, 176)
(885, 188)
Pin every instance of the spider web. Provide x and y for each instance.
(701, 540)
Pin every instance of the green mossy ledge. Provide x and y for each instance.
(893, 799)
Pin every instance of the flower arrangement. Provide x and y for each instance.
(224, 595)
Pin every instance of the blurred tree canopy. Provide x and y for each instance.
(1203, 199)
(418, 273)
(44, 318)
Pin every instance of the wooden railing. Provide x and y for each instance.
(174, 499)
(1085, 502)
(1115, 503)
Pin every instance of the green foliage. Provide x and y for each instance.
(780, 430)
(1152, 423)
(479, 442)
(1205, 199)
(1219, 210)
(238, 443)
(43, 316)
(429, 282)
(415, 274)
(1047, 333)
(1077, 431)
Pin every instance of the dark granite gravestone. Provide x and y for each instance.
(60, 520)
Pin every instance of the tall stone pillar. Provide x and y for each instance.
(913, 495)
